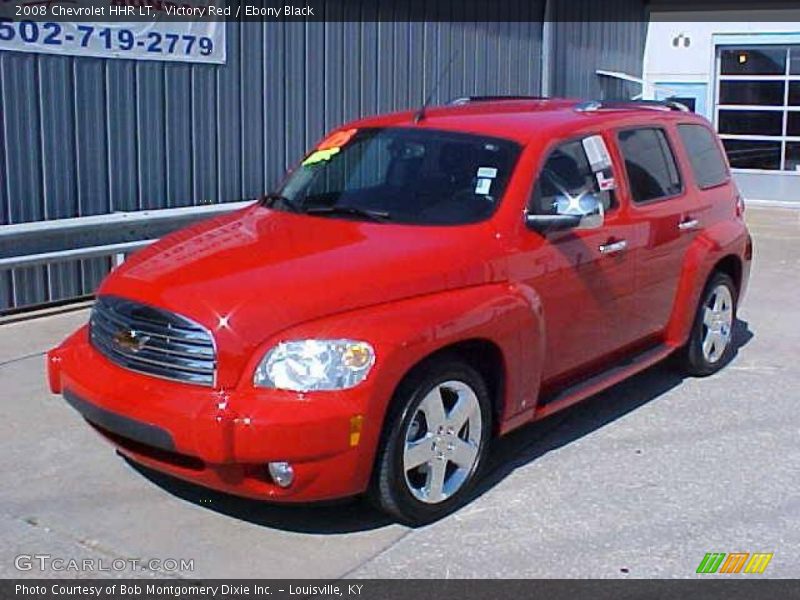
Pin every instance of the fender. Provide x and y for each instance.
(404, 332)
(707, 249)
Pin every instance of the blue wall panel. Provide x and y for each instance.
(178, 133)
(82, 136)
(59, 178)
(229, 120)
(293, 86)
(274, 97)
(23, 164)
(150, 116)
(123, 139)
(204, 148)
(252, 110)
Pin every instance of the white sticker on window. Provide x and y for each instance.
(483, 186)
(489, 172)
(606, 183)
(597, 152)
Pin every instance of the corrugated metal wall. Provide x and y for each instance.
(83, 136)
(592, 35)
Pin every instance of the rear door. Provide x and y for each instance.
(701, 150)
(666, 213)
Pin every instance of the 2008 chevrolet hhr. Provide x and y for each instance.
(420, 283)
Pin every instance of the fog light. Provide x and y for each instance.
(282, 473)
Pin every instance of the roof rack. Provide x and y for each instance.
(468, 99)
(594, 105)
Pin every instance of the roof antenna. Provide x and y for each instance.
(420, 114)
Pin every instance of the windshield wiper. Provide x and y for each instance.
(271, 199)
(372, 215)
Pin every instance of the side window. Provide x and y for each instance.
(570, 174)
(705, 156)
(650, 163)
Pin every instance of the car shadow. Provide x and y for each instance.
(509, 453)
(342, 516)
(529, 442)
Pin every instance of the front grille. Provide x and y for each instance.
(152, 340)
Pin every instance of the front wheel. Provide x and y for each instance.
(435, 442)
(710, 345)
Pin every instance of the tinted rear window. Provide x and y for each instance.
(706, 159)
(650, 164)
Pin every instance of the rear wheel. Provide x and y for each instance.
(710, 345)
(435, 441)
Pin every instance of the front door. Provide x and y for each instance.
(584, 277)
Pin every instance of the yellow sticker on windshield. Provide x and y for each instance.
(319, 156)
(329, 146)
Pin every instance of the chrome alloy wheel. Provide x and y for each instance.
(717, 323)
(442, 442)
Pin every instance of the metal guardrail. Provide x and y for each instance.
(119, 251)
(115, 234)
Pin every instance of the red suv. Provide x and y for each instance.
(419, 284)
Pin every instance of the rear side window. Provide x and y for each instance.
(650, 164)
(705, 157)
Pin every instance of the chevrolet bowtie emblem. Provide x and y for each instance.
(130, 340)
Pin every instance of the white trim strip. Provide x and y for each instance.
(139, 216)
(759, 107)
(759, 138)
(793, 204)
(783, 77)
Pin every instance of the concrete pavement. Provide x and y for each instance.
(640, 481)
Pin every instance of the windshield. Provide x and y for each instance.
(401, 175)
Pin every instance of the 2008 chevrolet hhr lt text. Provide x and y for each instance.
(421, 283)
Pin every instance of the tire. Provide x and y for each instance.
(710, 345)
(450, 445)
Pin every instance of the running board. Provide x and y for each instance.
(597, 383)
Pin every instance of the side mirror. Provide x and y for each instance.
(583, 212)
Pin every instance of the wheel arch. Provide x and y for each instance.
(483, 355)
(721, 248)
(732, 266)
(496, 328)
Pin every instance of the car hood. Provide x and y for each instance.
(253, 273)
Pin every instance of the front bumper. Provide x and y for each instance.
(222, 439)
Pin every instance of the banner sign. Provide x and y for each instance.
(157, 38)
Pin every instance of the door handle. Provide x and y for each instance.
(688, 224)
(613, 247)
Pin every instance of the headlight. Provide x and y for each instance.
(314, 365)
